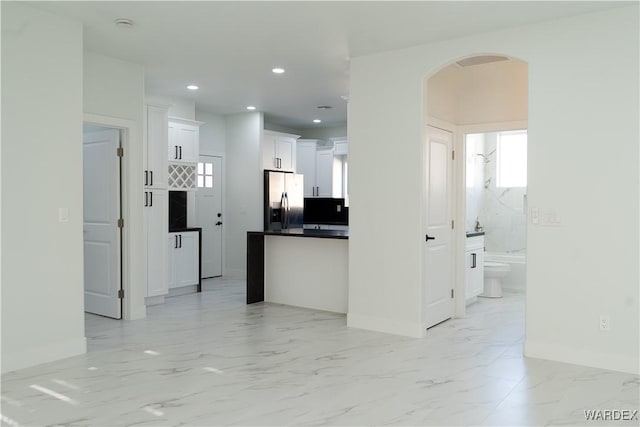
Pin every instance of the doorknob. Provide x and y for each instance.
(219, 215)
(219, 223)
(429, 238)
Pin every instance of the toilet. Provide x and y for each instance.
(493, 274)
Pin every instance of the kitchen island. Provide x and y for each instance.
(304, 268)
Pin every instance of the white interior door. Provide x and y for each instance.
(209, 213)
(101, 200)
(438, 240)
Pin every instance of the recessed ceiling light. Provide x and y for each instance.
(278, 70)
(123, 23)
(251, 107)
(317, 121)
(193, 87)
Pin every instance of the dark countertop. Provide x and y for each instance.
(475, 233)
(185, 230)
(299, 232)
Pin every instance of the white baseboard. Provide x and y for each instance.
(157, 300)
(387, 326)
(576, 356)
(39, 355)
(182, 290)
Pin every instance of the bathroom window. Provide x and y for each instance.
(512, 159)
(205, 175)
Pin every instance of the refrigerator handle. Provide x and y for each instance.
(282, 210)
(286, 196)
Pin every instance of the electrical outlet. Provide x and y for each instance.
(605, 323)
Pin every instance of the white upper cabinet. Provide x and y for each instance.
(322, 170)
(156, 139)
(340, 146)
(326, 174)
(279, 151)
(184, 140)
(306, 164)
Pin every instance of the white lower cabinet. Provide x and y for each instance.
(474, 272)
(155, 229)
(184, 259)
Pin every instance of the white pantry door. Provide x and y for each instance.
(101, 200)
(438, 248)
(209, 213)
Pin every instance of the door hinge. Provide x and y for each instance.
(452, 224)
(451, 293)
(121, 294)
(120, 152)
(453, 155)
(120, 223)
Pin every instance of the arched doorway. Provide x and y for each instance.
(484, 99)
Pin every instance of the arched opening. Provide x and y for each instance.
(476, 201)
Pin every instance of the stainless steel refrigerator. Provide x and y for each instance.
(283, 200)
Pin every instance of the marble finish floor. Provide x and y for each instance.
(208, 359)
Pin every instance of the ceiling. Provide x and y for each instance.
(229, 48)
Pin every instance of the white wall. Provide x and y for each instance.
(115, 88)
(244, 187)
(442, 102)
(279, 128)
(178, 107)
(491, 93)
(572, 109)
(479, 94)
(42, 271)
(324, 132)
(212, 132)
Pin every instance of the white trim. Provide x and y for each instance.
(48, 352)
(577, 356)
(185, 121)
(387, 326)
(132, 276)
(276, 133)
(441, 124)
(157, 300)
(494, 127)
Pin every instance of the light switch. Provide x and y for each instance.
(63, 214)
(535, 216)
(339, 208)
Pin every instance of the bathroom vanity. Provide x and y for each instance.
(474, 266)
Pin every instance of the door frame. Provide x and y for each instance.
(223, 201)
(133, 306)
(460, 199)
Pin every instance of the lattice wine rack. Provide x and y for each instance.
(182, 177)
